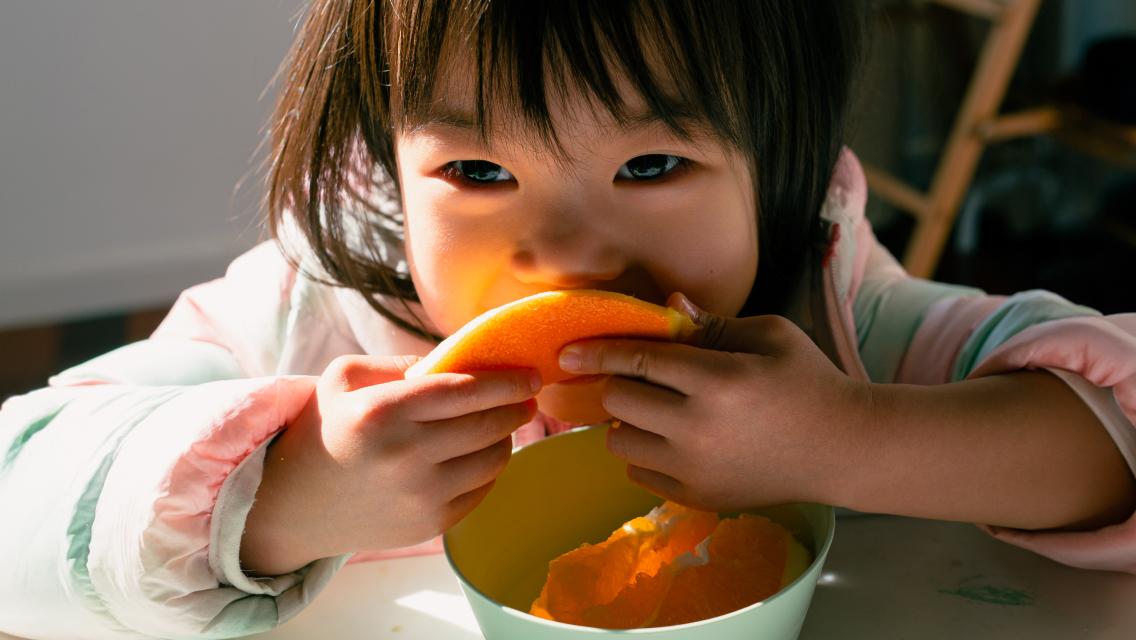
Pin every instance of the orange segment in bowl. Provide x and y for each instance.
(530, 332)
(631, 555)
(673, 566)
(746, 563)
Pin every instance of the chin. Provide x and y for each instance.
(578, 403)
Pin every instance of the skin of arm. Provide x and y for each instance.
(1016, 450)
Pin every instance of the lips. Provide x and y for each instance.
(635, 281)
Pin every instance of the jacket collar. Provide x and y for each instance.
(822, 306)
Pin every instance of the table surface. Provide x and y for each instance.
(886, 577)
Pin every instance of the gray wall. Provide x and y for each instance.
(125, 127)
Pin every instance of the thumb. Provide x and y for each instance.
(720, 332)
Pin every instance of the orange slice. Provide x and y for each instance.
(746, 564)
(674, 565)
(601, 573)
(531, 331)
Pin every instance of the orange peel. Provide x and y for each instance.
(531, 331)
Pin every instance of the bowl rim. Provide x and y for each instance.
(818, 557)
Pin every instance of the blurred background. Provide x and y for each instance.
(128, 160)
(999, 136)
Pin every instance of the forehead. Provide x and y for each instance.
(540, 93)
(456, 107)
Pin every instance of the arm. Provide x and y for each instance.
(125, 483)
(1016, 450)
(967, 424)
(939, 343)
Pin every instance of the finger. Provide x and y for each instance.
(657, 483)
(640, 447)
(678, 366)
(765, 335)
(351, 372)
(460, 506)
(475, 469)
(710, 327)
(649, 406)
(440, 396)
(459, 436)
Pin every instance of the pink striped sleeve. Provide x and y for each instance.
(1101, 349)
(945, 329)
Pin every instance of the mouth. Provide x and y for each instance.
(635, 282)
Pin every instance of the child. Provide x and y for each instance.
(433, 160)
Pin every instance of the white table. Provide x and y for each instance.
(885, 577)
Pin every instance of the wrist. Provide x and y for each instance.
(849, 457)
(273, 542)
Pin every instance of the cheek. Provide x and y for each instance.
(719, 271)
(431, 246)
(454, 256)
(711, 255)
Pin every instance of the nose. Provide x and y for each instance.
(568, 246)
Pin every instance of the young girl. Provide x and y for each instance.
(434, 160)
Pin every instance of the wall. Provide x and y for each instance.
(125, 128)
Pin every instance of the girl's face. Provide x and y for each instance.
(634, 209)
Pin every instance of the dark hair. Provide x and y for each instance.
(772, 78)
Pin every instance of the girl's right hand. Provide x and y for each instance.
(375, 461)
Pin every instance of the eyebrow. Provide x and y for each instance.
(455, 118)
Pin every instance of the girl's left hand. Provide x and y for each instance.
(751, 414)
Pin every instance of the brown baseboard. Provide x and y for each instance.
(27, 357)
(140, 324)
(30, 355)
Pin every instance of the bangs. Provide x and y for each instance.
(518, 55)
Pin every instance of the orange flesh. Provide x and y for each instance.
(652, 571)
(530, 332)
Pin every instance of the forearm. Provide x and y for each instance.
(285, 528)
(1018, 450)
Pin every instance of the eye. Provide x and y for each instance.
(649, 167)
(481, 171)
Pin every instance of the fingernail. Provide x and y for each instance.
(535, 382)
(679, 302)
(689, 307)
(570, 358)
